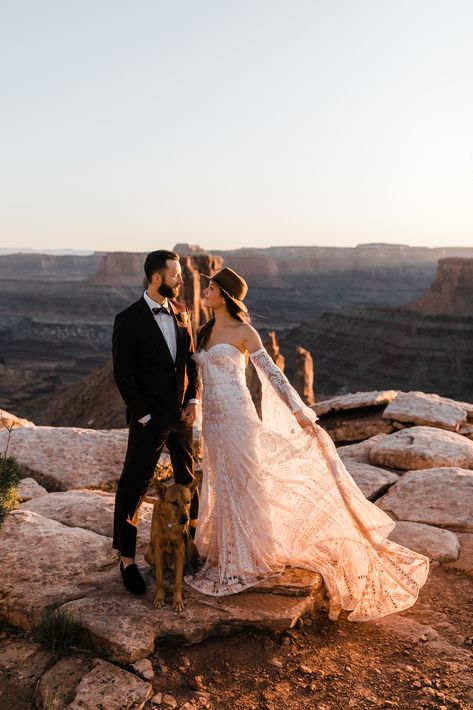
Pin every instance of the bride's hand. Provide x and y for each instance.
(305, 422)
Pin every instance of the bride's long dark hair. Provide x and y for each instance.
(203, 334)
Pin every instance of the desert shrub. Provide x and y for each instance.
(10, 476)
(57, 632)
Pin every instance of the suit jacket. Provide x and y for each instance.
(149, 381)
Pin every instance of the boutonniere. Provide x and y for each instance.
(183, 318)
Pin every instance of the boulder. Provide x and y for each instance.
(44, 563)
(433, 542)
(372, 481)
(293, 582)
(22, 664)
(407, 628)
(359, 452)
(356, 428)
(438, 496)
(11, 421)
(91, 684)
(422, 447)
(464, 561)
(28, 489)
(467, 406)
(466, 430)
(356, 400)
(412, 631)
(126, 628)
(426, 409)
(92, 510)
(62, 458)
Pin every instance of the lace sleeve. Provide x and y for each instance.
(263, 362)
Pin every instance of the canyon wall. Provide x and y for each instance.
(425, 346)
(48, 267)
(368, 315)
(368, 349)
(289, 285)
(451, 292)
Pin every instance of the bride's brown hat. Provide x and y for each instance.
(232, 285)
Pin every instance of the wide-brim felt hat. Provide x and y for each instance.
(232, 284)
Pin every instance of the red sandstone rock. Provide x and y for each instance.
(451, 292)
(119, 268)
(271, 344)
(192, 267)
(303, 379)
(252, 380)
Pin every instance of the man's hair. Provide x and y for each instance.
(156, 261)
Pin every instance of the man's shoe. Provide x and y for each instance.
(132, 579)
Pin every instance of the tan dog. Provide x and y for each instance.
(170, 536)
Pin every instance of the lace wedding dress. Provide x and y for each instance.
(273, 495)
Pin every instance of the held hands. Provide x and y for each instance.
(305, 422)
(189, 414)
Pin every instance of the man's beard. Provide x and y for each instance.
(167, 291)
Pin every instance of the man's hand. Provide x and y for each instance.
(189, 414)
(144, 420)
(305, 422)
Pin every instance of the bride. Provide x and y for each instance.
(275, 491)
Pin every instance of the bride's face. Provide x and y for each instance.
(212, 297)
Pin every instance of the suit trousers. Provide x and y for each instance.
(145, 444)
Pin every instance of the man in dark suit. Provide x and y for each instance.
(156, 375)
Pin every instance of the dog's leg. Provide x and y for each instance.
(158, 568)
(177, 602)
(149, 554)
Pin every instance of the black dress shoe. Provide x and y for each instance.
(132, 579)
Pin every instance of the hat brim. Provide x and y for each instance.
(239, 303)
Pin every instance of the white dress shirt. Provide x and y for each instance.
(167, 327)
(166, 323)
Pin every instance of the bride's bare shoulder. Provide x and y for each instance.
(250, 337)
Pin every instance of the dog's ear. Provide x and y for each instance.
(192, 486)
(148, 499)
(161, 489)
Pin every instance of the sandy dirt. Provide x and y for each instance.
(331, 666)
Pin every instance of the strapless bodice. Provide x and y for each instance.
(214, 354)
(222, 369)
(221, 362)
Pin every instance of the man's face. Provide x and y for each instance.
(171, 279)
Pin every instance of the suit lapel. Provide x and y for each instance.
(157, 337)
(181, 333)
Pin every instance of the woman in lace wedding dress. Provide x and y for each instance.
(275, 492)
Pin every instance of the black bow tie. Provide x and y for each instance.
(163, 309)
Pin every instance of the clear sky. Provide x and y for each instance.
(135, 125)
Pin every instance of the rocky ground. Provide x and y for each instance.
(267, 648)
(419, 659)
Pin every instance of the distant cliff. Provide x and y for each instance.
(373, 349)
(451, 292)
(425, 346)
(56, 313)
(54, 331)
(119, 268)
(48, 267)
(290, 285)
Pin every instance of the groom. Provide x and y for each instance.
(156, 375)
